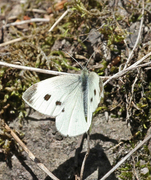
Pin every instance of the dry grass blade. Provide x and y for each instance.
(63, 15)
(14, 41)
(33, 69)
(27, 21)
(45, 71)
(138, 38)
(124, 71)
(86, 156)
(124, 159)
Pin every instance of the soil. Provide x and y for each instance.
(57, 153)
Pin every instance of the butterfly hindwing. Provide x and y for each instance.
(71, 121)
(95, 93)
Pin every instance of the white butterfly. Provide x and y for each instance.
(71, 99)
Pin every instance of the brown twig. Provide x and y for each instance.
(30, 154)
(14, 41)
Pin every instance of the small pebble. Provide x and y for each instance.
(144, 170)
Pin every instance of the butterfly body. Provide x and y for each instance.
(71, 99)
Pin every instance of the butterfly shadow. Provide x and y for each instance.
(102, 138)
(33, 115)
(97, 163)
(41, 119)
(21, 158)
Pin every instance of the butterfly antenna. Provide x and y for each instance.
(89, 59)
(75, 60)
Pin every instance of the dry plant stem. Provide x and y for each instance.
(135, 171)
(127, 106)
(143, 65)
(27, 21)
(33, 69)
(14, 41)
(45, 71)
(124, 71)
(117, 75)
(37, 11)
(78, 150)
(133, 85)
(63, 15)
(129, 99)
(138, 38)
(32, 157)
(126, 157)
(148, 68)
(86, 155)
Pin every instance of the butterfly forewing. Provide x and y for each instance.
(48, 96)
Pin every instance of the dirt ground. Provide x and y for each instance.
(111, 138)
(58, 153)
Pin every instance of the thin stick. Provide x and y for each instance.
(133, 66)
(148, 68)
(138, 38)
(126, 157)
(30, 154)
(78, 150)
(45, 71)
(27, 21)
(19, 23)
(37, 11)
(135, 171)
(86, 155)
(14, 41)
(33, 69)
(63, 15)
(129, 99)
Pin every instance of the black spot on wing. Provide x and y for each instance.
(58, 103)
(36, 160)
(94, 92)
(91, 99)
(63, 110)
(47, 97)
